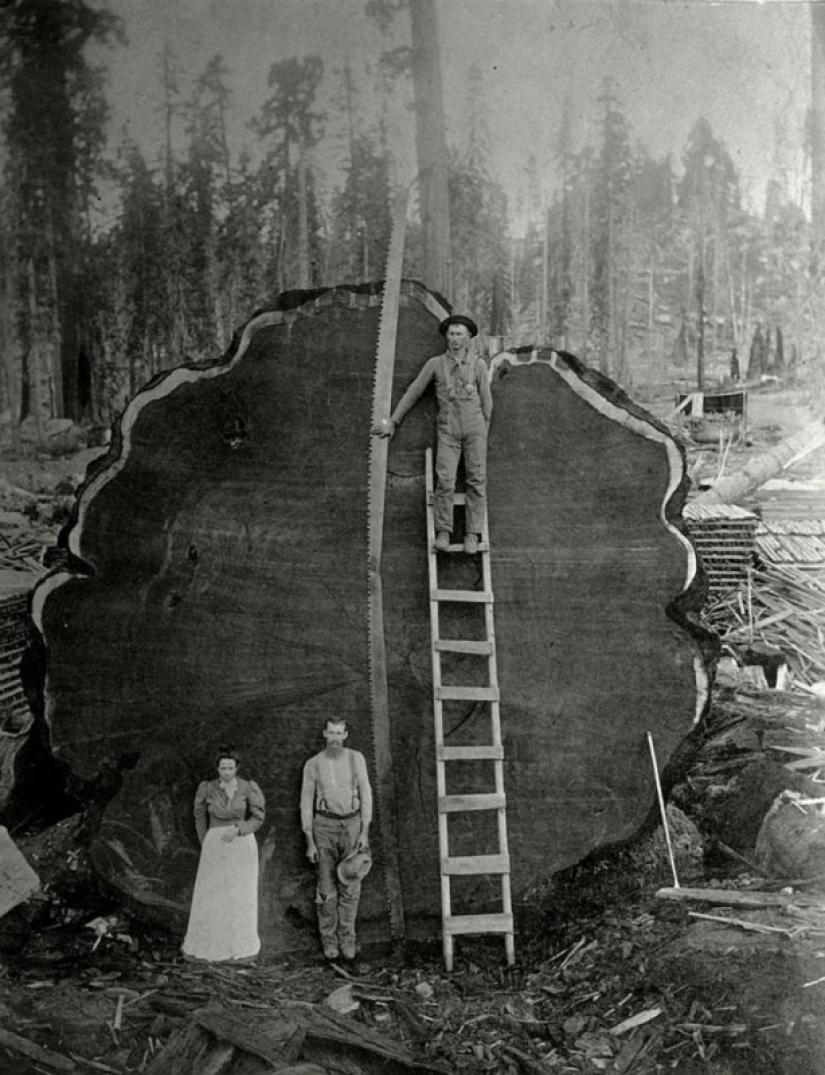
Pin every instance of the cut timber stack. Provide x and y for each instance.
(15, 587)
(792, 541)
(15, 715)
(724, 536)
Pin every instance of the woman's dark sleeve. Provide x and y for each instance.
(201, 813)
(255, 809)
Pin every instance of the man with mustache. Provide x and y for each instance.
(336, 813)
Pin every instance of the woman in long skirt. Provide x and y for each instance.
(223, 920)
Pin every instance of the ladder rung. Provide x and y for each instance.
(472, 864)
(461, 645)
(459, 547)
(452, 804)
(467, 694)
(473, 596)
(479, 923)
(490, 753)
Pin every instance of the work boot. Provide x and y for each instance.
(442, 540)
(348, 951)
(331, 950)
(471, 544)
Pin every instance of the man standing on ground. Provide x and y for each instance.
(336, 813)
(465, 404)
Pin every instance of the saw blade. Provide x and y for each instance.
(376, 496)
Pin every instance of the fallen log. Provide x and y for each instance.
(763, 467)
(219, 590)
(14, 1043)
(731, 897)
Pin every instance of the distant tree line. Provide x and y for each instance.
(635, 264)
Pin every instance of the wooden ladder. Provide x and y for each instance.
(450, 866)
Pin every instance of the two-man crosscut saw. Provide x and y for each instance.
(376, 495)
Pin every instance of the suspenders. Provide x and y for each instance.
(469, 388)
(321, 800)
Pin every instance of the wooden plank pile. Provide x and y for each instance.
(792, 541)
(15, 586)
(724, 535)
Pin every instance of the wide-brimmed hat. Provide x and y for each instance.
(458, 319)
(355, 866)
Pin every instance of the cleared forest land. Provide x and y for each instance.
(610, 976)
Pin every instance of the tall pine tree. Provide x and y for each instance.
(54, 131)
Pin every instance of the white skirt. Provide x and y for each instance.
(223, 920)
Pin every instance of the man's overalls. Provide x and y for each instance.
(461, 428)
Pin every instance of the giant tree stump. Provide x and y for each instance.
(220, 591)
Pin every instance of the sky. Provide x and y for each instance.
(743, 64)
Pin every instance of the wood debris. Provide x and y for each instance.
(21, 552)
(781, 606)
(283, 1035)
(21, 1046)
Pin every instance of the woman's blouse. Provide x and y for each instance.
(244, 809)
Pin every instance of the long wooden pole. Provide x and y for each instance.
(662, 810)
(431, 146)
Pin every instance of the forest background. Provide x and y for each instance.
(651, 247)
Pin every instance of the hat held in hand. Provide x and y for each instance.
(355, 866)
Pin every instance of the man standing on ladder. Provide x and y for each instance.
(465, 404)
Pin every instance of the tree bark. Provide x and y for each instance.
(700, 325)
(58, 409)
(10, 349)
(585, 276)
(303, 234)
(817, 127)
(431, 147)
(37, 405)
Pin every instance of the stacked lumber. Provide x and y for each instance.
(15, 586)
(792, 541)
(724, 536)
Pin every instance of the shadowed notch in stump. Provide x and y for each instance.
(224, 594)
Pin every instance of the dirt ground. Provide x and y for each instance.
(610, 977)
